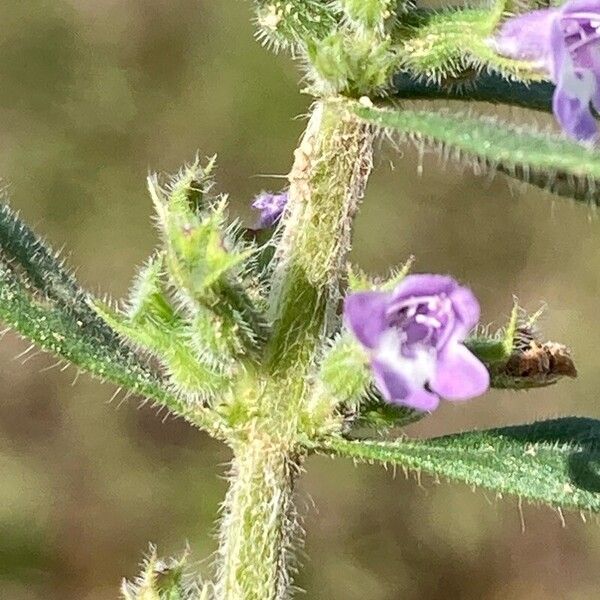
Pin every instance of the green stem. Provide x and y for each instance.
(258, 523)
(327, 181)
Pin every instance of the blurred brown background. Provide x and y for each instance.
(94, 94)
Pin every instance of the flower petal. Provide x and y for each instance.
(459, 374)
(467, 310)
(424, 285)
(596, 97)
(575, 89)
(365, 316)
(421, 400)
(580, 6)
(271, 207)
(571, 105)
(394, 386)
(527, 37)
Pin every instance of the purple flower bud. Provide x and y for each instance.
(271, 207)
(414, 339)
(564, 44)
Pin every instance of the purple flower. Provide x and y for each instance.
(271, 207)
(413, 336)
(564, 44)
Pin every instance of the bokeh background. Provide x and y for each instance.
(93, 95)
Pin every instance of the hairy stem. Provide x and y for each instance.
(327, 181)
(258, 523)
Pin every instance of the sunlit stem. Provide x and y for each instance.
(327, 181)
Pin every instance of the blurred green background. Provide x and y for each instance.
(93, 95)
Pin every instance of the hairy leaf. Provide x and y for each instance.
(54, 330)
(169, 342)
(438, 45)
(41, 300)
(555, 462)
(481, 87)
(486, 142)
(41, 266)
(207, 258)
(285, 23)
(370, 14)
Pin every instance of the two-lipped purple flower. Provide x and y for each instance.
(564, 44)
(413, 336)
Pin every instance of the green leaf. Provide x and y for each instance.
(495, 89)
(351, 64)
(41, 266)
(555, 462)
(147, 298)
(290, 23)
(480, 87)
(56, 331)
(167, 340)
(438, 45)
(487, 142)
(207, 258)
(42, 301)
(370, 14)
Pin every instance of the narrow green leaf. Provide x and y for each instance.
(555, 462)
(487, 142)
(290, 23)
(45, 271)
(496, 89)
(41, 300)
(481, 87)
(55, 331)
(168, 342)
(439, 45)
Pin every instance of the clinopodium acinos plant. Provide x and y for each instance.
(272, 343)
